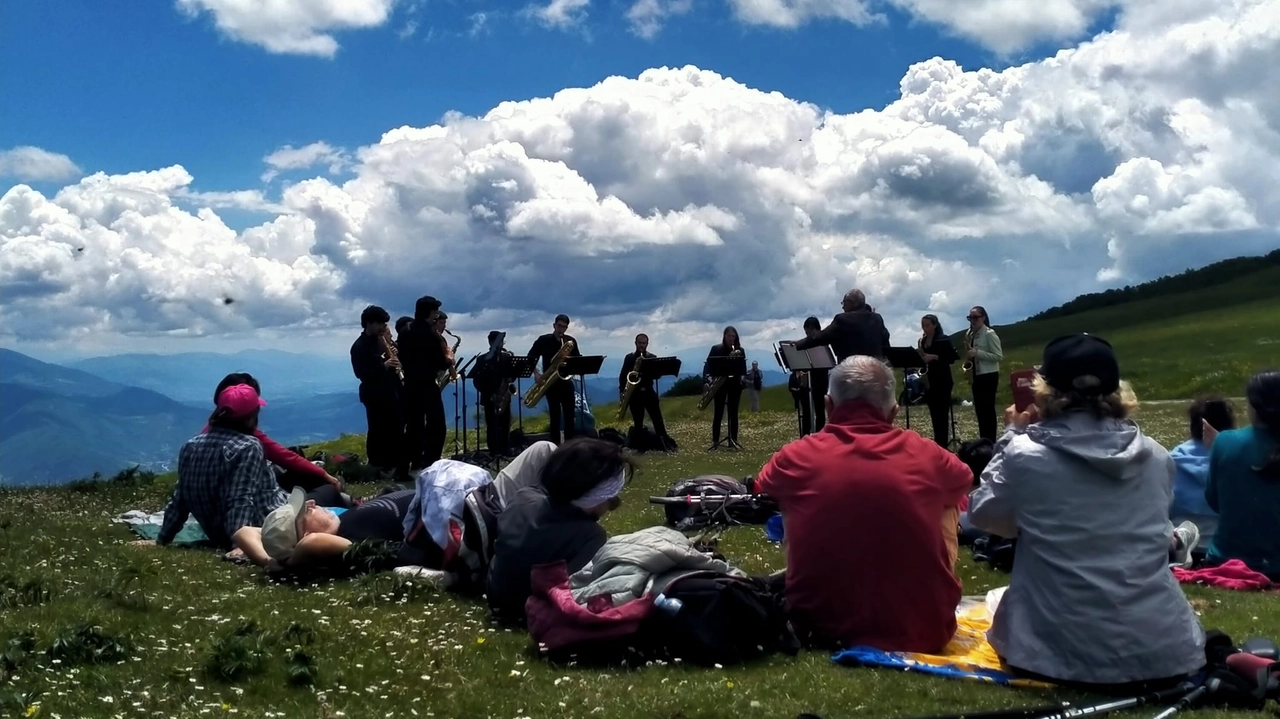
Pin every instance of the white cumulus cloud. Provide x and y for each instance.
(300, 158)
(33, 164)
(297, 27)
(681, 200)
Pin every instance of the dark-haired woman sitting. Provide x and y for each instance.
(1244, 483)
(557, 520)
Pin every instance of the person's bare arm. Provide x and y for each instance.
(316, 548)
(249, 541)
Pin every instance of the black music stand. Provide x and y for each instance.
(580, 366)
(904, 358)
(798, 360)
(517, 367)
(731, 368)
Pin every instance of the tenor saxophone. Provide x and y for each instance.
(549, 376)
(389, 347)
(633, 381)
(446, 376)
(710, 392)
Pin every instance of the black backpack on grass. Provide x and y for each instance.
(708, 618)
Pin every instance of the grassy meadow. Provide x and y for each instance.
(181, 633)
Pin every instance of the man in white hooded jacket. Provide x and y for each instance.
(1091, 600)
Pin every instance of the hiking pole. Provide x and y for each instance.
(705, 498)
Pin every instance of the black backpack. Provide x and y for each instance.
(708, 618)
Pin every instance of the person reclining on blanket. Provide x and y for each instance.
(1191, 460)
(1091, 601)
(298, 469)
(1244, 483)
(225, 482)
(556, 519)
(863, 507)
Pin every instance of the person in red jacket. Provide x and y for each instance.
(863, 507)
(310, 475)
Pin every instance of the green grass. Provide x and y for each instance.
(378, 648)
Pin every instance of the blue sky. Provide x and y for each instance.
(126, 86)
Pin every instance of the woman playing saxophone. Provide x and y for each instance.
(725, 392)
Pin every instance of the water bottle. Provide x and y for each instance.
(667, 605)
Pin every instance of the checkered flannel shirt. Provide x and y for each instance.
(224, 480)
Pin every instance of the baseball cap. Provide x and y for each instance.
(280, 528)
(1081, 363)
(241, 400)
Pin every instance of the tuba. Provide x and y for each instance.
(447, 376)
(710, 392)
(633, 381)
(550, 376)
(968, 362)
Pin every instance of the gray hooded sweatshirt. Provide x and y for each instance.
(1091, 598)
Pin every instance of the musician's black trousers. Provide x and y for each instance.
(939, 400)
(802, 400)
(560, 404)
(497, 427)
(984, 403)
(425, 428)
(647, 401)
(729, 396)
(817, 399)
(384, 444)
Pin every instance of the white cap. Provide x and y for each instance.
(280, 528)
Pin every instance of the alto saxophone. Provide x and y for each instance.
(446, 376)
(633, 381)
(389, 347)
(710, 392)
(968, 362)
(923, 372)
(550, 376)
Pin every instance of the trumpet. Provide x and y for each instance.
(968, 362)
(633, 381)
(710, 392)
(549, 376)
(447, 376)
(389, 347)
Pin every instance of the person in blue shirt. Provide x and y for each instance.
(1191, 460)
(1244, 482)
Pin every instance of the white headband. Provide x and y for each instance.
(603, 492)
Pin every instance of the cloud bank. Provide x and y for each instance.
(681, 200)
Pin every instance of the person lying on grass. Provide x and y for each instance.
(556, 519)
(1244, 483)
(869, 516)
(224, 480)
(1091, 601)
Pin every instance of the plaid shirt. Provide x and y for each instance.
(225, 481)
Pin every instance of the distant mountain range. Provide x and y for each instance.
(59, 423)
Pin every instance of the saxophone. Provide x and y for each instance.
(550, 376)
(968, 362)
(633, 381)
(446, 376)
(389, 347)
(710, 392)
(923, 372)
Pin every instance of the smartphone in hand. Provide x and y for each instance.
(1020, 383)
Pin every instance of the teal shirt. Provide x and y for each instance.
(1247, 503)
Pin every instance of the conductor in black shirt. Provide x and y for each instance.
(729, 396)
(379, 393)
(423, 354)
(644, 398)
(939, 354)
(858, 330)
(559, 397)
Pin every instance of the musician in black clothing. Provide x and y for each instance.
(730, 393)
(423, 354)
(644, 398)
(939, 354)
(817, 380)
(798, 386)
(560, 398)
(379, 393)
(858, 330)
(495, 391)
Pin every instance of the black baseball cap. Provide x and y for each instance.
(1081, 363)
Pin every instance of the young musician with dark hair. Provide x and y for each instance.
(644, 398)
(857, 330)
(423, 355)
(982, 349)
(495, 391)
(730, 393)
(817, 380)
(939, 354)
(377, 369)
(560, 396)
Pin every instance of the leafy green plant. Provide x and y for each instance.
(88, 643)
(15, 592)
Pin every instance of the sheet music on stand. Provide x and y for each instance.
(516, 366)
(798, 360)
